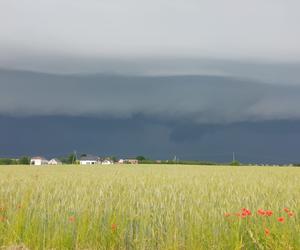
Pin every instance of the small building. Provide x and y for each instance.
(54, 161)
(131, 161)
(107, 162)
(89, 160)
(121, 161)
(38, 161)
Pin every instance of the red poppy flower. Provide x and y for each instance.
(261, 211)
(114, 227)
(269, 212)
(246, 212)
(2, 218)
(281, 219)
(72, 218)
(267, 231)
(286, 210)
(290, 214)
(227, 214)
(243, 215)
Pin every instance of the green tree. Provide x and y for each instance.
(235, 163)
(24, 160)
(5, 161)
(113, 158)
(71, 159)
(140, 158)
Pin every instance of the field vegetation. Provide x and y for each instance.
(149, 207)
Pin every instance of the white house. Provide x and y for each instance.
(132, 161)
(54, 161)
(128, 161)
(38, 161)
(107, 162)
(89, 160)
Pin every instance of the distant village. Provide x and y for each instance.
(91, 160)
(83, 160)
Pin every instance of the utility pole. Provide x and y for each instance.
(75, 158)
(233, 156)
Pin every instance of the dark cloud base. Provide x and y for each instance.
(256, 142)
(205, 99)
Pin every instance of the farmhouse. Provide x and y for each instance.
(132, 161)
(107, 162)
(54, 161)
(38, 161)
(128, 161)
(89, 160)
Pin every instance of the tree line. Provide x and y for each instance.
(24, 160)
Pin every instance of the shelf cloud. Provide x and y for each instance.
(199, 99)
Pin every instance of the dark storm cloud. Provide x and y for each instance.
(201, 99)
(257, 142)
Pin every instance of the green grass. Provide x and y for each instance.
(153, 207)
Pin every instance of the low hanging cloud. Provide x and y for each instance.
(197, 99)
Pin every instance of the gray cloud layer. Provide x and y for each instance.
(153, 138)
(278, 73)
(201, 99)
(114, 28)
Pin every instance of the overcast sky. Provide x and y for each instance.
(178, 68)
(92, 30)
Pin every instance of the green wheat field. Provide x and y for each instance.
(149, 207)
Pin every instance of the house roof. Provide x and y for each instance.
(55, 159)
(89, 158)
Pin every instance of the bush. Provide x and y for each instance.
(7, 161)
(141, 158)
(235, 163)
(24, 160)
